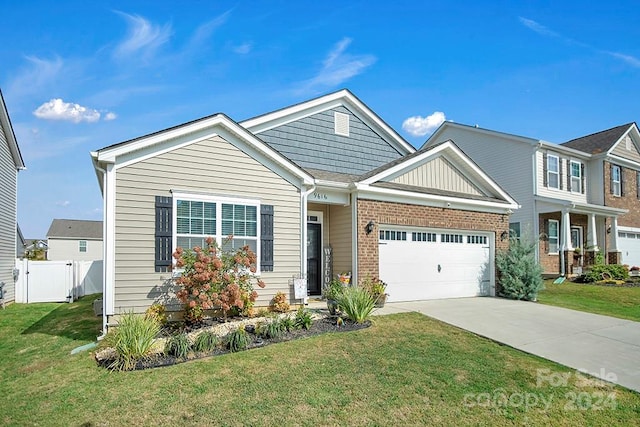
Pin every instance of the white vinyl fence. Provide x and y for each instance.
(57, 281)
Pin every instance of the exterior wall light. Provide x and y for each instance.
(369, 227)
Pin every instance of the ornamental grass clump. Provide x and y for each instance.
(206, 342)
(178, 345)
(216, 279)
(132, 340)
(238, 340)
(356, 303)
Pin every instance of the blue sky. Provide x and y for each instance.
(78, 76)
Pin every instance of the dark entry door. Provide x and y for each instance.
(314, 258)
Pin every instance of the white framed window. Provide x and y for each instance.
(576, 176)
(82, 246)
(553, 234)
(197, 217)
(393, 235)
(553, 171)
(616, 176)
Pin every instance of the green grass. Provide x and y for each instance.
(613, 301)
(405, 369)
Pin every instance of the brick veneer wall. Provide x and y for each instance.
(630, 198)
(389, 213)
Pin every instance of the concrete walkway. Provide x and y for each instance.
(606, 347)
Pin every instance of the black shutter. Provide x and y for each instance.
(164, 215)
(266, 237)
(569, 172)
(582, 177)
(544, 170)
(611, 178)
(560, 162)
(621, 181)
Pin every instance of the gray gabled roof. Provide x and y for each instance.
(599, 142)
(75, 229)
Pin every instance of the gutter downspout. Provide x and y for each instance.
(104, 250)
(303, 231)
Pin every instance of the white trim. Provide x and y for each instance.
(219, 201)
(447, 148)
(354, 237)
(305, 109)
(621, 161)
(557, 236)
(109, 227)
(557, 171)
(618, 181)
(571, 177)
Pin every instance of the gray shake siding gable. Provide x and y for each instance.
(312, 143)
(212, 167)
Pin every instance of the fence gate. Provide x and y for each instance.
(49, 281)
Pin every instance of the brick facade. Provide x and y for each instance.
(389, 213)
(628, 200)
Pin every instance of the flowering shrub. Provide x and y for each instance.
(213, 278)
(279, 303)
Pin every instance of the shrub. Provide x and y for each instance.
(333, 290)
(609, 271)
(287, 323)
(238, 340)
(206, 342)
(178, 345)
(356, 303)
(520, 275)
(279, 303)
(271, 329)
(157, 312)
(132, 340)
(303, 319)
(213, 278)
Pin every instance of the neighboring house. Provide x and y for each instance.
(581, 197)
(10, 163)
(35, 249)
(315, 189)
(75, 240)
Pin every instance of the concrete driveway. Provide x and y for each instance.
(604, 346)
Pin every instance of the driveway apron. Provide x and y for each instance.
(603, 346)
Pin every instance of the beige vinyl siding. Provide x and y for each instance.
(563, 193)
(69, 249)
(8, 203)
(213, 167)
(340, 238)
(621, 150)
(439, 173)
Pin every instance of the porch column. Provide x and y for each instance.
(592, 235)
(566, 232)
(613, 246)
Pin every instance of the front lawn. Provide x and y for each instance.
(616, 301)
(405, 369)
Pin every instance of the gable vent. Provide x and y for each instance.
(628, 143)
(341, 123)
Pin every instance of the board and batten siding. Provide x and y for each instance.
(562, 193)
(507, 161)
(439, 173)
(341, 238)
(8, 220)
(214, 167)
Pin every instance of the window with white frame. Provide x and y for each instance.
(553, 171)
(553, 235)
(576, 177)
(199, 217)
(615, 180)
(82, 246)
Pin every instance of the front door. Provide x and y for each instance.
(314, 258)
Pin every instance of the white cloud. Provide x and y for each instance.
(538, 28)
(243, 49)
(420, 126)
(144, 37)
(57, 109)
(110, 116)
(631, 60)
(63, 203)
(204, 31)
(39, 74)
(338, 67)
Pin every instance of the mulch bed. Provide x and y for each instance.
(319, 326)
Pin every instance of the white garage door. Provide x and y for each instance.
(629, 246)
(423, 264)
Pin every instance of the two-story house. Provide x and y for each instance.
(574, 196)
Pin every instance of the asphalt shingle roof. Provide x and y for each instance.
(599, 142)
(75, 229)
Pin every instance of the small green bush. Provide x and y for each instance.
(206, 342)
(178, 345)
(303, 319)
(271, 329)
(287, 323)
(604, 272)
(520, 275)
(238, 340)
(356, 303)
(132, 340)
